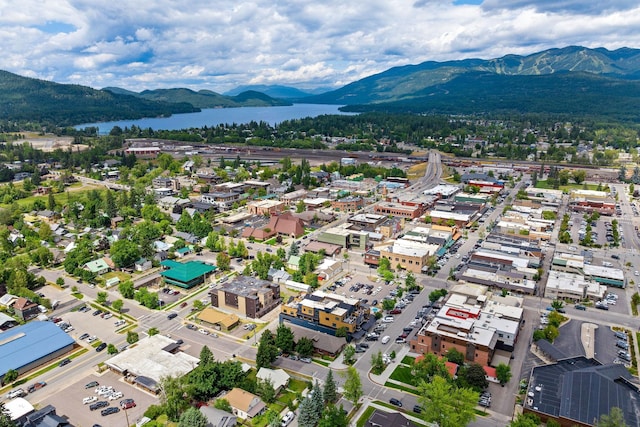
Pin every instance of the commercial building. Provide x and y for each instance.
(186, 275)
(408, 254)
(367, 221)
(577, 391)
(442, 191)
(221, 200)
(28, 346)
(293, 197)
(151, 359)
(325, 312)
(400, 209)
(348, 204)
(265, 207)
(246, 296)
(344, 236)
(473, 324)
(143, 152)
(575, 287)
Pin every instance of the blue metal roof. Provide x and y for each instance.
(25, 344)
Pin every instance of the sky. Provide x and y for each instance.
(219, 45)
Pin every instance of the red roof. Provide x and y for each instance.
(489, 371)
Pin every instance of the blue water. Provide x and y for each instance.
(216, 116)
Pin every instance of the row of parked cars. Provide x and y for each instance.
(109, 393)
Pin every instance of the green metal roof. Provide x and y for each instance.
(186, 272)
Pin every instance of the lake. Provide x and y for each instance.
(215, 116)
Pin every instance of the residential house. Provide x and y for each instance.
(25, 309)
(218, 417)
(278, 378)
(97, 266)
(380, 418)
(143, 264)
(244, 405)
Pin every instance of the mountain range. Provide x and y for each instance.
(573, 80)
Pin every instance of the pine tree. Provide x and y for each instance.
(306, 414)
(329, 393)
(317, 399)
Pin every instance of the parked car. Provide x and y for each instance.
(64, 362)
(83, 336)
(395, 402)
(580, 307)
(101, 347)
(16, 393)
(417, 409)
(386, 339)
(395, 311)
(388, 319)
(36, 386)
(98, 405)
(128, 405)
(109, 411)
(622, 344)
(89, 399)
(92, 384)
(305, 359)
(172, 316)
(287, 419)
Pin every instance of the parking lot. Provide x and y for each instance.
(68, 402)
(86, 323)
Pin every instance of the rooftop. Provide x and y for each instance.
(25, 344)
(246, 286)
(149, 359)
(186, 272)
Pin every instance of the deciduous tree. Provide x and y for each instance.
(445, 404)
(352, 385)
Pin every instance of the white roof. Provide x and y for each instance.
(278, 377)
(18, 407)
(445, 190)
(605, 272)
(149, 359)
(449, 215)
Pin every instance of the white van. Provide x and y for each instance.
(287, 419)
(388, 319)
(386, 339)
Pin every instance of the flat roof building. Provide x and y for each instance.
(247, 296)
(149, 361)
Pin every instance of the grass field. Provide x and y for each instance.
(77, 192)
(568, 187)
(402, 374)
(417, 171)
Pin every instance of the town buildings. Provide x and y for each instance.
(247, 296)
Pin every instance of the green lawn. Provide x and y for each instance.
(365, 416)
(297, 386)
(400, 387)
(408, 360)
(566, 188)
(403, 374)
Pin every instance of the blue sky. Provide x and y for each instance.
(148, 44)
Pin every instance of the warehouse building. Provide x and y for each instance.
(28, 346)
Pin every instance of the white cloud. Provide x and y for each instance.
(201, 44)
